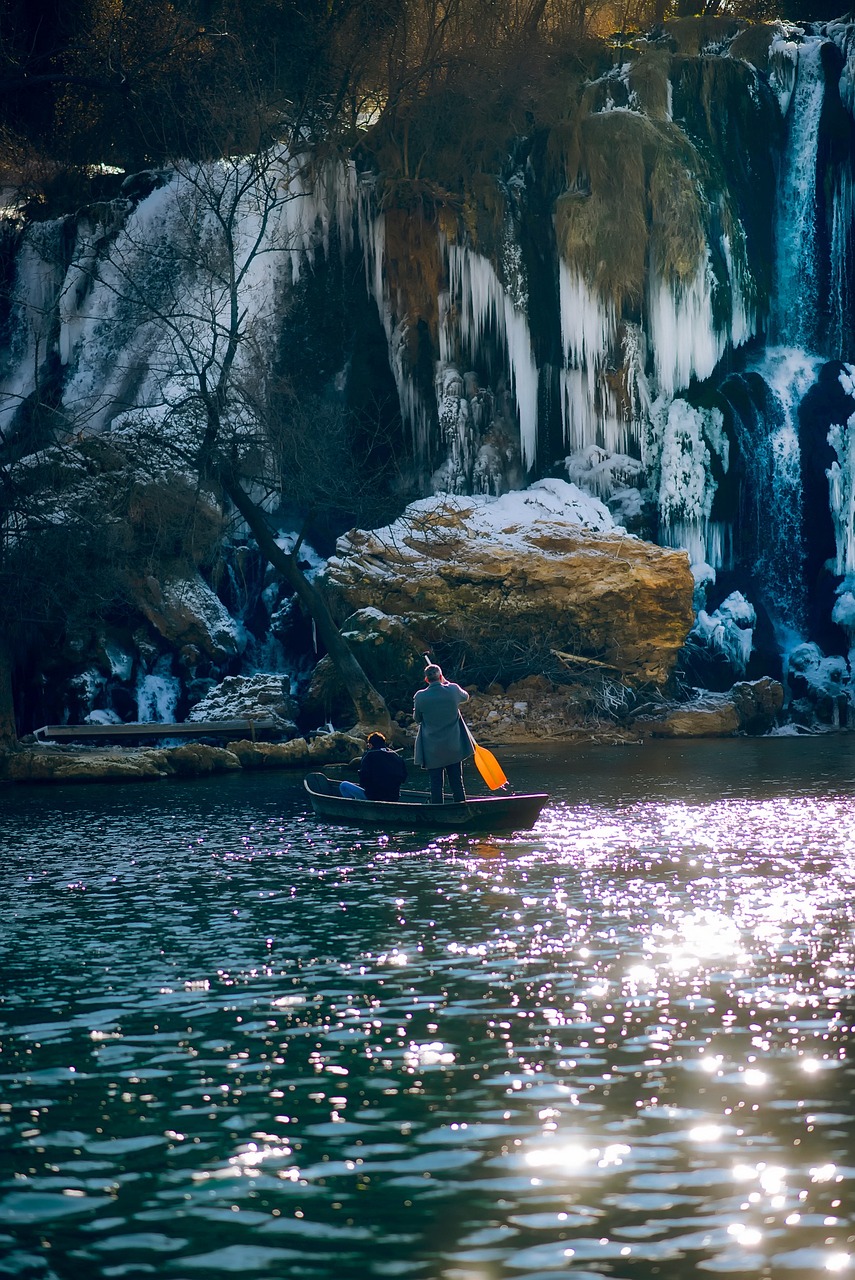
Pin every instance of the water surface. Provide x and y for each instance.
(238, 1040)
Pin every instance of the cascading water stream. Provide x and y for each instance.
(771, 515)
(766, 426)
(794, 306)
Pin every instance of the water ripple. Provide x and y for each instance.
(236, 1040)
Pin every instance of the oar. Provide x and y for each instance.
(489, 768)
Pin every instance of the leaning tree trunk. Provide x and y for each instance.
(371, 709)
(8, 734)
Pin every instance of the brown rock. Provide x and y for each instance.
(39, 766)
(531, 685)
(271, 755)
(197, 760)
(713, 716)
(335, 748)
(548, 582)
(749, 707)
(186, 612)
(326, 748)
(758, 703)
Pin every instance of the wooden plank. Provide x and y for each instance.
(158, 729)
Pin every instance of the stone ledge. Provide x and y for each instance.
(45, 764)
(751, 706)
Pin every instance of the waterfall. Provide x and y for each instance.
(34, 295)
(794, 308)
(765, 402)
(90, 288)
(842, 263)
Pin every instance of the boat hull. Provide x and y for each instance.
(414, 811)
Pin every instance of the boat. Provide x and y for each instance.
(506, 812)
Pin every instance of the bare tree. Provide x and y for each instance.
(192, 290)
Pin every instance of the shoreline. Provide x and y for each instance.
(46, 764)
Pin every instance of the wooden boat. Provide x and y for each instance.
(481, 813)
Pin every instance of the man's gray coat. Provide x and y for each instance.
(442, 737)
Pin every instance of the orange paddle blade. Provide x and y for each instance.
(489, 768)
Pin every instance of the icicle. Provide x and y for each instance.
(841, 264)
(683, 337)
(36, 287)
(483, 304)
(588, 333)
(743, 320)
(729, 630)
(841, 494)
(783, 68)
(158, 694)
(372, 235)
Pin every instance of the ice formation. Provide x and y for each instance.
(728, 631)
(821, 687)
(157, 695)
(483, 304)
(682, 444)
(588, 333)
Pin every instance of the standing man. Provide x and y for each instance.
(442, 740)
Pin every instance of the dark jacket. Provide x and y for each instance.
(442, 737)
(381, 773)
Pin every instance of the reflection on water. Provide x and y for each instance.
(235, 1039)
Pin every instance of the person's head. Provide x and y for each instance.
(433, 673)
(376, 741)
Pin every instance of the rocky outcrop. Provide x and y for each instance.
(49, 766)
(759, 703)
(326, 748)
(711, 716)
(751, 707)
(193, 760)
(536, 710)
(258, 697)
(187, 613)
(529, 572)
(196, 760)
(820, 688)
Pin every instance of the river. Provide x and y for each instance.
(236, 1040)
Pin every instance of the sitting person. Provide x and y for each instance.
(381, 773)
